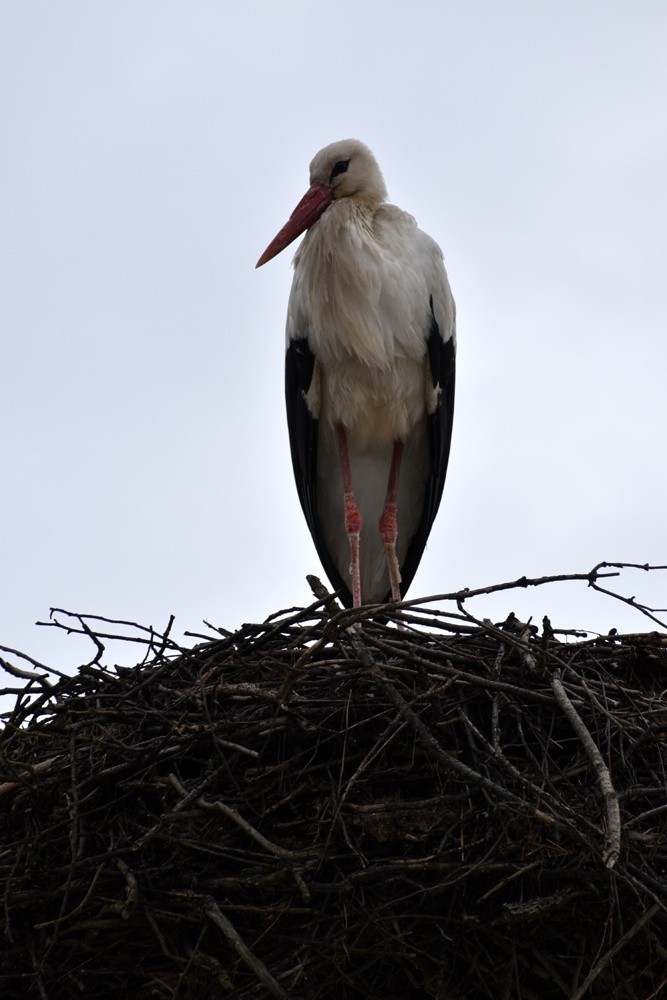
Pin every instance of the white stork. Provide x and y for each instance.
(369, 375)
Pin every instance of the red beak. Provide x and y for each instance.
(308, 211)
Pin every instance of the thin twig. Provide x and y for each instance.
(232, 936)
(613, 844)
(621, 943)
(31, 769)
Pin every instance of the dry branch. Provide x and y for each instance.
(613, 847)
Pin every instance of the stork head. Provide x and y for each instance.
(351, 171)
(345, 169)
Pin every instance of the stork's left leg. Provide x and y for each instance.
(352, 516)
(389, 522)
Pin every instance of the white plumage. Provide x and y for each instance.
(369, 371)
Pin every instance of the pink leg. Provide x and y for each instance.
(352, 517)
(389, 522)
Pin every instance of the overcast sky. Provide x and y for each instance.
(151, 149)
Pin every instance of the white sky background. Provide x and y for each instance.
(149, 152)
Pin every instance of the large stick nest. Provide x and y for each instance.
(450, 809)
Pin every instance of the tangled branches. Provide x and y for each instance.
(450, 808)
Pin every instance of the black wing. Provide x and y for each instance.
(442, 359)
(302, 426)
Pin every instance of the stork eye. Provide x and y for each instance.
(340, 168)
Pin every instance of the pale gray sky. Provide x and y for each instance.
(151, 149)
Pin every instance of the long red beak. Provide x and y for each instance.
(308, 211)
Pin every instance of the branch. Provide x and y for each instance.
(599, 966)
(524, 582)
(643, 609)
(233, 937)
(613, 845)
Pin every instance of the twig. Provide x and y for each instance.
(31, 769)
(322, 594)
(212, 911)
(24, 675)
(613, 845)
(521, 583)
(606, 959)
(243, 824)
(644, 609)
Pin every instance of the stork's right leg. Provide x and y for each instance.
(352, 516)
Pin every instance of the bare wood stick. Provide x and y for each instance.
(529, 661)
(613, 845)
(606, 959)
(31, 770)
(509, 878)
(645, 815)
(275, 849)
(17, 672)
(632, 602)
(322, 594)
(522, 582)
(24, 675)
(495, 705)
(212, 911)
